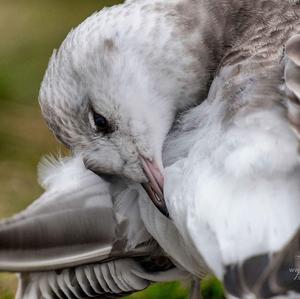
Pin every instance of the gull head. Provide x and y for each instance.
(112, 90)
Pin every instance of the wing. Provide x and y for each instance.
(83, 281)
(80, 219)
(102, 280)
(86, 235)
(98, 280)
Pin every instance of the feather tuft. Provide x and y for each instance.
(59, 171)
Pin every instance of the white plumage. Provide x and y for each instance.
(232, 171)
(235, 194)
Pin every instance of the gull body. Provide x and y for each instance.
(234, 193)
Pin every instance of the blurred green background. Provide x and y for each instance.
(29, 31)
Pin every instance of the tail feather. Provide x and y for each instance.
(267, 275)
(285, 271)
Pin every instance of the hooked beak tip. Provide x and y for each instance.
(154, 187)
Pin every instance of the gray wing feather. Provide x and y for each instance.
(57, 292)
(81, 284)
(109, 279)
(118, 278)
(90, 228)
(69, 278)
(91, 277)
(80, 219)
(125, 285)
(101, 279)
(42, 289)
(63, 286)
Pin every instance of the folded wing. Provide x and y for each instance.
(79, 219)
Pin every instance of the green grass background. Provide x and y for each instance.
(29, 31)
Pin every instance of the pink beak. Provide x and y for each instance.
(154, 187)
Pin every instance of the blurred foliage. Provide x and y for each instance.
(29, 31)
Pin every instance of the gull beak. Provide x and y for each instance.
(154, 187)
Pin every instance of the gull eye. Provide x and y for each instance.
(101, 123)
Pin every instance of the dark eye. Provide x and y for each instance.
(101, 123)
